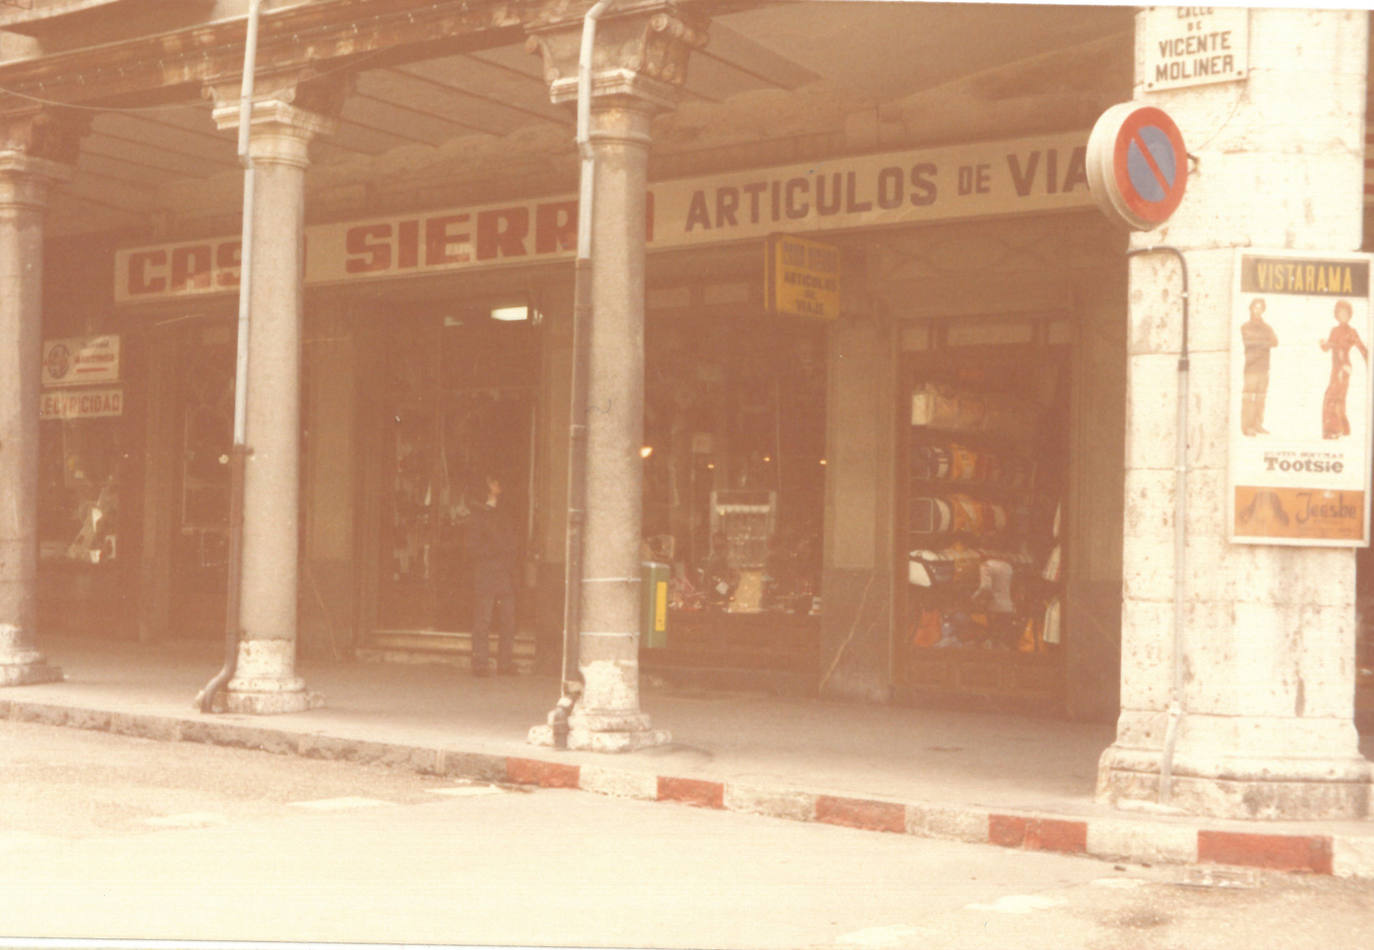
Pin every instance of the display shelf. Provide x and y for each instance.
(981, 512)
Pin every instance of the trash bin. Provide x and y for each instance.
(653, 625)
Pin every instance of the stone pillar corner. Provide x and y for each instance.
(1237, 659)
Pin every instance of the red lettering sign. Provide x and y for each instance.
(139, 280)
(371, 240)
(190, 267)
(501, 233)
(228, 257)
(443, 246)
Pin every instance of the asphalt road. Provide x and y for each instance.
(110, 837)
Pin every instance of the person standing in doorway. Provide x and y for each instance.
(1258, 338)
(1343, 338)
(494, 549)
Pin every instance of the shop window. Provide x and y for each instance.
(82, 471)
(735, 474)
(87, 508)
(984, 471)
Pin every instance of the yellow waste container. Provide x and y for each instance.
(654, 604)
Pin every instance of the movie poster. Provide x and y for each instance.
(1300, 399)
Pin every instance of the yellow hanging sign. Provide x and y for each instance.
(802, 277)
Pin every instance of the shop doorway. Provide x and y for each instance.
(458, 402)
(197, 425)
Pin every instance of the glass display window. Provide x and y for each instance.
(984, 465)
(82, 473)
(735, 462)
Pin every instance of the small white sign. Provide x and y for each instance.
(81, 360)
(81, 404)
(1194, 46)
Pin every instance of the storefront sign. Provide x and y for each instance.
(991, 178)
(81, 404)
(81, 360)
(1300, 399)
(1193, 46)
(801, 278)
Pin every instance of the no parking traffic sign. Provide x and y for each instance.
(1137, 165)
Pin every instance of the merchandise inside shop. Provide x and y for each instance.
(734, 485)
(985, 459)
(88, 466)
(83, 474)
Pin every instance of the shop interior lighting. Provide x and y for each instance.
(645, 451)
(512, 314)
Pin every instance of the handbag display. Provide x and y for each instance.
(931, 515)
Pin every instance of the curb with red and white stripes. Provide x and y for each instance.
(1140, 840)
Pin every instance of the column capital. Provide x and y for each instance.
(287, 114)
(41, 144)
(24, 178)
(641, 53)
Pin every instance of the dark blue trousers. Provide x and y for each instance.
(493, 605)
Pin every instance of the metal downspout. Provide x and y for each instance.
(577, 410)
(1166, 766)
(238, 453)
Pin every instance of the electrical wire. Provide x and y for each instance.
(170, 107)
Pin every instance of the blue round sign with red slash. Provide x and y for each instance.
(1137, 165)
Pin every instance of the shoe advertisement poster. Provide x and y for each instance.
(1300, 399)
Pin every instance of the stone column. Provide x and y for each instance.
(639, 60)
(1268, 634)
(36, 152)
(856, 624)
(282, 127)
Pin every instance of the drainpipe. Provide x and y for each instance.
(238, 452)
(577, 428)
(1166, 765)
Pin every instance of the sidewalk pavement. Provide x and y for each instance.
(1009, 780)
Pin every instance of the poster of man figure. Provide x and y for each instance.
(1300, 398)
(1258, 338)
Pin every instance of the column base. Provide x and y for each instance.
(27, 668)
(589, 740)
(264, 682)
(262, 696)
(1276, 789)
(20, 664)
(606, 731)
